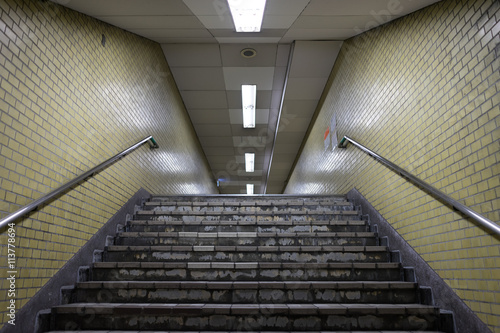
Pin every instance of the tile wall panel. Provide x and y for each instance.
(67, 103)
(423, 92)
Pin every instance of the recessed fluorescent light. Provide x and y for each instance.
(249, 188)
(247, 14)
(248, 98)
(249, 162)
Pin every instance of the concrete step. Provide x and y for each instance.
(247, 202)
(247, 238)
(191, 331)
(242, 253)
(245, 317)
(246, 292)
(237, 207)
(165, 225)
(244, 271)
(249, 215)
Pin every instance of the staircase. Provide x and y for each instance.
(252, 264)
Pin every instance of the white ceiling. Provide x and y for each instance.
(296, 50)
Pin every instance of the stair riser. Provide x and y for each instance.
(166, 227)
(254, 227)
(273, 320)
(254, 241)
(144, 274)
(177, 295)
(237, 209)
(145, 215)
(209, 256)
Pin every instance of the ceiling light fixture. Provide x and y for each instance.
(247, 14)
(249, 162)
(248, 98)
(249, 188)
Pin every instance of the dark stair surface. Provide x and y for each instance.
(247, 264)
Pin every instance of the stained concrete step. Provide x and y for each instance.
(191, 331)
(244, 317)
(170, 207)
(245, 271)
(247, 238)
(288, 214)
(284, 254)
(165, 225)
(245, 202)
(246, 292)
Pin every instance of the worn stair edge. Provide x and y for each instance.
(245, 292)
(140, 271)
(288, 316)
(191, 331)
(251, 222)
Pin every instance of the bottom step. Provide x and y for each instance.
(246, 317)
(240, 332)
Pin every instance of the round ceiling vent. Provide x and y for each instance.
(248, 53)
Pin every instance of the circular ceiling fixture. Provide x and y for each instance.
(248, 53)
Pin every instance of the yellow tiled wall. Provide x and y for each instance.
(67, 103)
(423, 92)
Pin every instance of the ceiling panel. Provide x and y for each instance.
(219, 151)
(172, 33)
(298, 108)
(253, 40)
(199, 78)
(204, 99)
(213, 129)
(204, 54)
(305, 88)
(209, 116)
(215, 141)
(313, 59)
(190, 55)
(155, 22)
(311, 22)
(99, 8)
(299, 125)
(204, 7)
(184, 40)
(326, 34)
(249, 141)
(260, 76)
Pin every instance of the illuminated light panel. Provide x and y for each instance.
(249, 188)
(248, 98)
(247, 14)
(249, 162)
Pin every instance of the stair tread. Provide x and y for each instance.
(246, 223)
(190, 331)
(249, 284)
(222, 234)
(210, 308)
(247, 212)
(247, 248)
(245, 265)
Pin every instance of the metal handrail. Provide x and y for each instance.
(429, 188)
(35, 204)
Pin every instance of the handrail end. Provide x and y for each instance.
(343, 143)
(153, 144)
